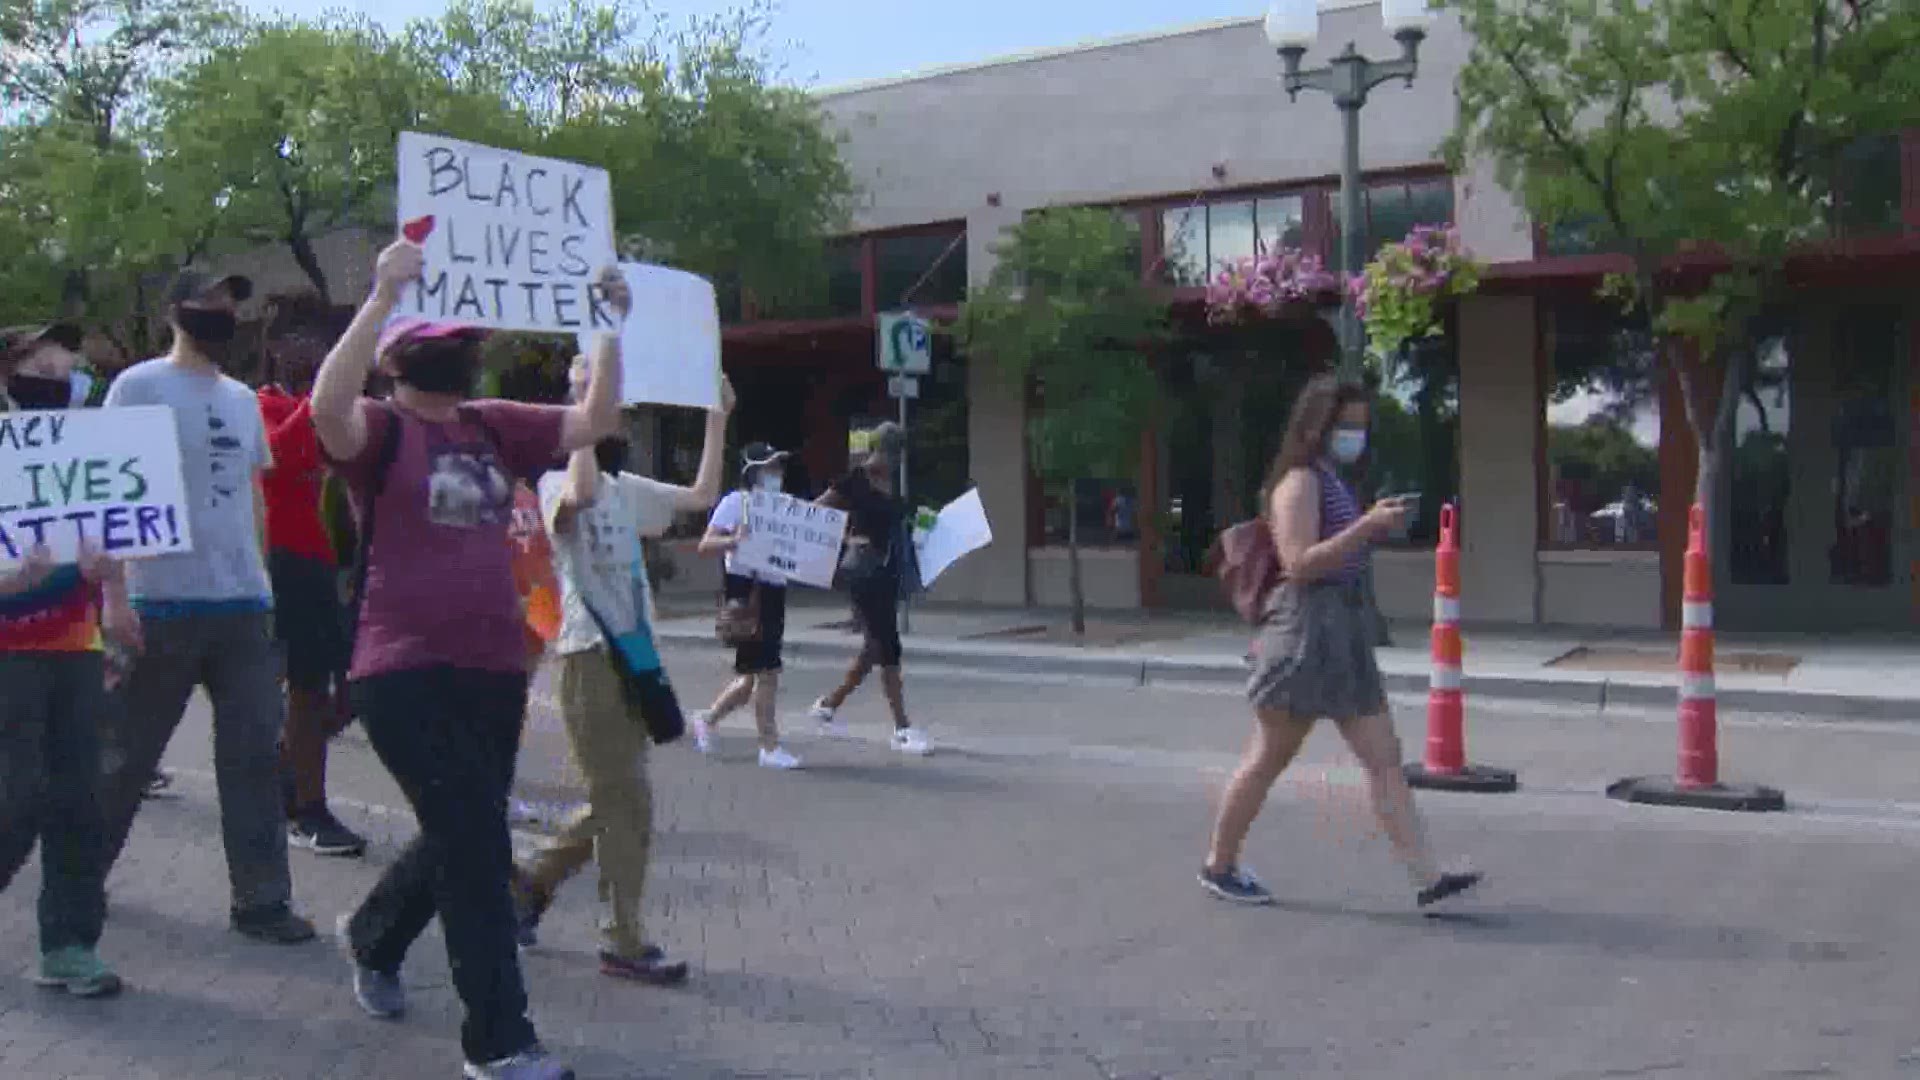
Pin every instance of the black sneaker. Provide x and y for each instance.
(320, 832)
(651, 967)
(530, 905)
(1445, 886)
(275, 924)
(1236, 885)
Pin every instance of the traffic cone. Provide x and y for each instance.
(1445, 766)
(1696, 780)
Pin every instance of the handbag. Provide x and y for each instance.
(738, 622)
(1248, 565)
(860, 565)
(643, 681)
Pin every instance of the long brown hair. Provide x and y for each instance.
(1315, 411)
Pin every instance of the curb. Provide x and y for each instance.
(1596, 694)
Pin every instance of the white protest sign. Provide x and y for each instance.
(791, 538)
(960, 529)
(670, 348)
(109, 477)
(512, 242)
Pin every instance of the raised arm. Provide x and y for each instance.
(597, 414)
(337, 419)
(580, 488)
(706, 483)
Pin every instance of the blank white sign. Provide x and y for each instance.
(670, 348)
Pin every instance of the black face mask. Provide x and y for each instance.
(39, 392)
(611, 454)
(206, 326)
(440, 367)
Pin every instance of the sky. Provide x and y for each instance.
(831, 42)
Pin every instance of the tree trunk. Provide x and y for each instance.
(301, 246)
(1076, 589)
(1711, 430)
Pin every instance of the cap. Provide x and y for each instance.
(758, 454)
(15, 339)
(190, 285)
(410, 328)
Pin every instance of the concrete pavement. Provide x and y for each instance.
(1023, 904)
(1861, 677)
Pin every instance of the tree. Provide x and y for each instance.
(1065, 312)
(1697, 137)
(294, 125)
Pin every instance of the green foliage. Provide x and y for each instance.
(1065, 311)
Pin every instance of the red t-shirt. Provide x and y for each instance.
(440, 586)
(292, 485)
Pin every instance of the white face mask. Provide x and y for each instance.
(772, 482)
(1347, 444)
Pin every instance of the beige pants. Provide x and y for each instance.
(615, 826)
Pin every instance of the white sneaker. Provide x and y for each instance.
(830, 725)
(778, 758)
(703, 732)
(911, 741)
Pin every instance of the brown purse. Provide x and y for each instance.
(739, 620)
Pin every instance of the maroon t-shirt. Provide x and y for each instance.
(439, 586)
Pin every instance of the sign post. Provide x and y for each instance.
(905, 353)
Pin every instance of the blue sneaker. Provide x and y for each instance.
(78, 971)
(1235, 884)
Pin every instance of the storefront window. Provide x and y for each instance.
(1197, 240)
(1108, 513)
(1868, 186)
(1282, 221)
(1394, 207)
(1415, 445)
(1230, 233)
(1757, 535)
(1603, 430)
(833, 293)
(1183, 238)
(1866, 448)
(921, 268)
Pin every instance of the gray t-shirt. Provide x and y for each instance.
(223, 448)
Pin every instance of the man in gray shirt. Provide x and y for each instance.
(207, 614)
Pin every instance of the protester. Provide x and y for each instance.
(756, 663)
(1315, 653)
(308, 621)
(208, 613)
(439, 667)
(53, 701)
(879, 553)
(598, 514)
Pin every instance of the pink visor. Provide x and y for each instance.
(412, 328)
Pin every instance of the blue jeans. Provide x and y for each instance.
(51, 707)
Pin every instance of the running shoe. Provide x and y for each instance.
(159, 786)
(78, 971)
(830, 725)
(532, 1063)
(651, 967)
(778, 758)
(318, 831)
(911, 741)
(275, 924)
(1235, 884)
(378, 994)
(1447, 886)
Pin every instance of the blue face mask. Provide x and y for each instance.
(1347, 444)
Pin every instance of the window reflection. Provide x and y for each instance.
(1108, 513)
(1282, 222)
(1866, 449)
(920, 268)
(1416, 435)
(1868, 186)
(1603, 430)
(1230, 233)
(1757, 537)
(1393, 208)
(1183, 232)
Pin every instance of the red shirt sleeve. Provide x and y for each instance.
(295, 446)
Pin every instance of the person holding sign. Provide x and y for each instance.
(878, 555)
(53, 702)
(756, 662)
(208, 612)
(439, 672)
(598, 514)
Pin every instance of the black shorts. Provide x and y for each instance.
(876, 607)
(760, 657)
(309, 621)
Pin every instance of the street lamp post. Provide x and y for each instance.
(1292, 26)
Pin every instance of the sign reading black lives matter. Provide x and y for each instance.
(512, 242)
(107, 477)
(794, 539)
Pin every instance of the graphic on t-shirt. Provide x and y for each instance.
(467, 490)
(223, 450)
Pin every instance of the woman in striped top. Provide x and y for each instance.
(1315, 657)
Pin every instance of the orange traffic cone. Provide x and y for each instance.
(1696, 780)
(1445, 765)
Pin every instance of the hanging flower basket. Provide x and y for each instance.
(1400, 294)
(1280, 283)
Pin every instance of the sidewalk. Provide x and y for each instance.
(1858, 677)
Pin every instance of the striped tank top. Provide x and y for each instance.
(1339, 509)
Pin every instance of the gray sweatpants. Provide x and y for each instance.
(232, 656)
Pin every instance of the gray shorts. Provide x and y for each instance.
(1314, 656)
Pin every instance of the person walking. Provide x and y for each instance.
(53, 701)
(1314, 657)
(756, 663)
(878, 556)
(598, 515)
(208, 613)
(439, 666)
(309, 622)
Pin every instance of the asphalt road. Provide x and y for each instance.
(1023, 903)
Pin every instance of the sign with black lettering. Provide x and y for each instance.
(791, 538)
(512, 242)
(107, 477)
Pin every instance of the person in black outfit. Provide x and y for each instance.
(879, 548)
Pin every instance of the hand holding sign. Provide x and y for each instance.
(399, 266)
(613, 289)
